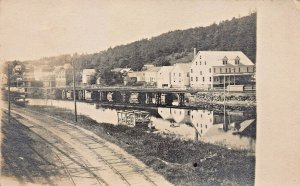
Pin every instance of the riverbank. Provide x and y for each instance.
(181, 162)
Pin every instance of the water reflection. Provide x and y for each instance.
(231, 128)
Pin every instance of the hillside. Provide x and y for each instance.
(172, 47)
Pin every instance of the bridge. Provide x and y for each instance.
(145, 95)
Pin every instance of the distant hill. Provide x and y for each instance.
(172, 47)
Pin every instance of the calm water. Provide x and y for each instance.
(233, 129)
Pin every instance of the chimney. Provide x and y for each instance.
(195, 52)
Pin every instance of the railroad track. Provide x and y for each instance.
(101, 164)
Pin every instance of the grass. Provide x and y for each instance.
(179, 161)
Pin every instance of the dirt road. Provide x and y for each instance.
(77, 156)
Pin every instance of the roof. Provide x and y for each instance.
(166, 69)
(182, 66)
(89, 71)
(215, 58)
(153, 69)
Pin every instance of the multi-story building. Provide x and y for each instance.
(180, 75)
(63, 75)
(211, 69)
(164, 77)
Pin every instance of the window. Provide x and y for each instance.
(200, 57)
(247, 69)
(233, 69)
(191, 78)
(209, 70)
(187, 74)
(225, 59)
(205, 63)
(174, 74)
(201, 73)
(226, 70)
(196, 63)
(205, 126)
(220, 70)
(179, 74)
(191, 70)
(229, 70)
(196, 78)
(237, 60)
(239, 69)
(214, 70)
(209, 79)
(203, 79)
(200, 62)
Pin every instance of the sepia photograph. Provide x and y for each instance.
(145, 92)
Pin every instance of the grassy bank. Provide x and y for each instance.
(180, 162)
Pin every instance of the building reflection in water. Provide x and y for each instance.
(213, 126)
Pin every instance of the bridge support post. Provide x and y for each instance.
(168, 99)
(180, 99)
(126, 97)
(103, 96)
(142, 98)
(149, 97)
(63, 94)
(158, 98)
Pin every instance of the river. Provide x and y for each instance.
(235, 129)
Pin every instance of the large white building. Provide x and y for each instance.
(180, 75)
(209, 69)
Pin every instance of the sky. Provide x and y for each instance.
(31, 29)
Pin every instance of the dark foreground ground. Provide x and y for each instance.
(180, 162)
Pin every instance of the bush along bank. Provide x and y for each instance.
(182, 162)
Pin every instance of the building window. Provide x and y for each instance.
(229, 70)
(188, 74)
(205, 62)
(200, 62)
(196, 63)
(174, 74)
(214, 70)
(253, 69)
(226, 70)
(209, 79)
(233, 69)
(203, 79)
(179, 74)
(200, 57)
(225, 59)
(191, 78)
(220, 70)
(191, 70)
(209, 70)
(201, 73)
(239, 69)
(196, 78)
(237, 60)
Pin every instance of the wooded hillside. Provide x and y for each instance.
(235, 34)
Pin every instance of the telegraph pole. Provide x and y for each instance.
(74, 94)
(8, 84)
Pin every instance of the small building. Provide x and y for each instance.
(213, 69)
(88, 75)
(139, 75)
(164, 77)
(180, 75)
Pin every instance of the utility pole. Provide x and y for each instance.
(8, 84)
(74, 94)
